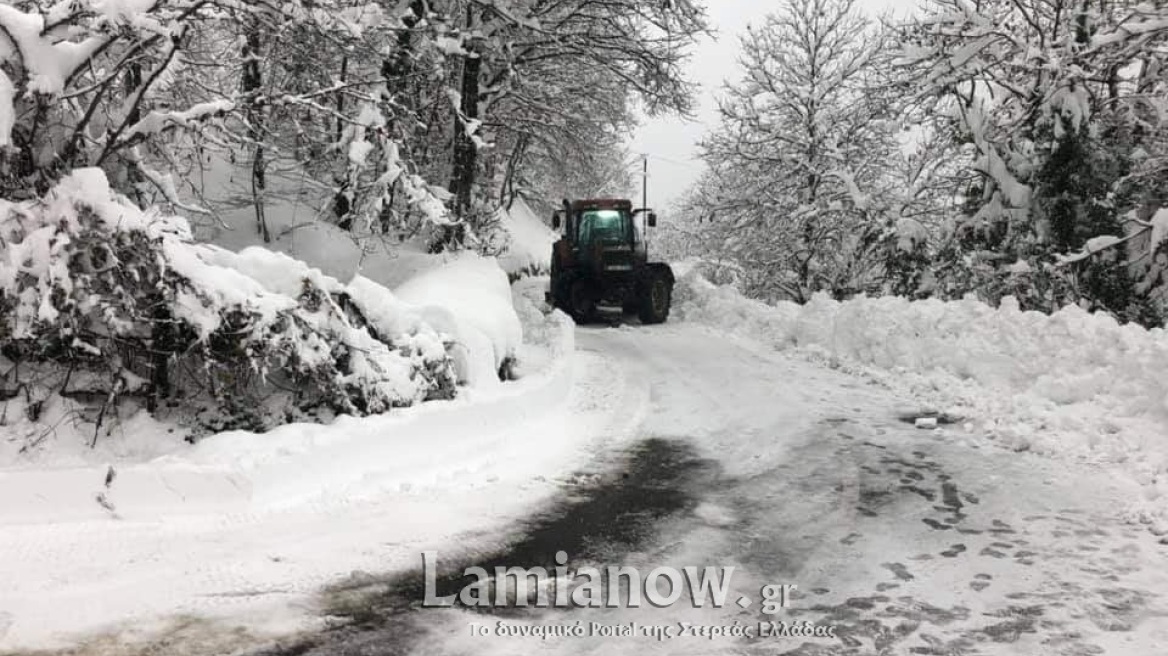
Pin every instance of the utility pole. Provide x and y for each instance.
(645, 181)
(645, 198)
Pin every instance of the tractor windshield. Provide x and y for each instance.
(604, 225)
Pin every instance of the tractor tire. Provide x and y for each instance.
(559, 288)
(556, 297)
(656, 295)
(582, 302)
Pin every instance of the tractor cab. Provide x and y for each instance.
(601, 229)
(586, 221)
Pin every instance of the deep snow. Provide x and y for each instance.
(530, 240)
(461, 302)
(904, 540)
(245, 529)
(1070, 385)
(469, 298)
(251, 526)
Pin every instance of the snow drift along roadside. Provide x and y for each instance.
(96, 292)
(1071, 384)
(308, 505)
(530, 244)
(470, 298)
(238, 470)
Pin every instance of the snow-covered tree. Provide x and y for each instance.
(796, 189)
(561, 137)
(387, 117)
(553, 81)
(139, 88)
(1059, 103)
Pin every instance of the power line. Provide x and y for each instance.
(637, 161)
(688, 165)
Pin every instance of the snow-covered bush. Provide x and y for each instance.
(100, 298)
(469, 298)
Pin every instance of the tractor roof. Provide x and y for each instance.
(602, 204)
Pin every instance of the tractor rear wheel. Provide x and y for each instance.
(655, 298)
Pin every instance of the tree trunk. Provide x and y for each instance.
(507, 191)
(341, 97)
(161, 348)
(465, 151)
(341, 203)
(396, 70)
(252, 82)
(134, 175)
(465, 154)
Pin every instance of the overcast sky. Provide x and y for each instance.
(671, 142)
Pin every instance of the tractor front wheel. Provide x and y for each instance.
(582, 300)
(656, 296)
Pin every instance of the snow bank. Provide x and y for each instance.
(84, 274)
(469, 297)
(1072, 383)
(546, 337)
(63, 437)
(289, 511)
(390, 317)
(460, 295)
(362, 458)
(417, 345)
(530, 246)
(298, 463)
(250, 527)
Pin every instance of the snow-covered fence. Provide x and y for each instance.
(102, 300)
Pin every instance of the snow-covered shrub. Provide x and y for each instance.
(469, 298)
(99, 294)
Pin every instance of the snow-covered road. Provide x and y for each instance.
(904, 540)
